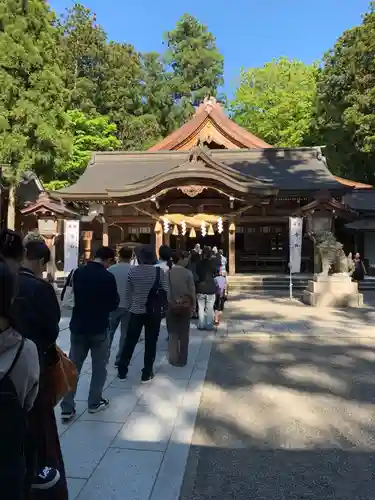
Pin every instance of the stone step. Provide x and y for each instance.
(281, 284)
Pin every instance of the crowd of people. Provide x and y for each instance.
(136, 293)
(132, 290)
(31, 462)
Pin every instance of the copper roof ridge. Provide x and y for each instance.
(353, 184)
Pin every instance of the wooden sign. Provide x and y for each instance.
(87, 235)
(47, 227)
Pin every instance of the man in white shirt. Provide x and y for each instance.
(121, 316)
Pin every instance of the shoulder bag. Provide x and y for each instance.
(68, 299)
(63, 376)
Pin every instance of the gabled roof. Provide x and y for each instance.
(48, 205)
(129, 175)
(325, 201)
(136, 175)
(362, 200)
(209, 123)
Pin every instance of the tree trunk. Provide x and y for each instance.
(11, 217)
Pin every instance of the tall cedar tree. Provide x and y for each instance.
(84, 45)
(346, 97)
(277, 102)
(196, 64)
(32, 98)
(158, 99)
(123, 100)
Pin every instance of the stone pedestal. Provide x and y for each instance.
(337, 290)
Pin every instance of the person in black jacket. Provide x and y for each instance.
(95, 297)
(36, 316)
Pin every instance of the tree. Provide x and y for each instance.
(196, 65)
(346, 96)
(33, 122)
(90, 134)
(158, 99)
(83, 44)
(122, 97)
(277, 102)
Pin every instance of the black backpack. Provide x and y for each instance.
(157, 300)
(13, 430)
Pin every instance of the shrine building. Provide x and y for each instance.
(209, 182)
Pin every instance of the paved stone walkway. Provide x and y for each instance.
(286, 412)
(138, 447)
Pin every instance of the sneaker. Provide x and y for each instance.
(46, 479)
(66, 416)
(104, 403)
(147, 378)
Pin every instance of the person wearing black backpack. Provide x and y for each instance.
(19, 376)
(146, 300)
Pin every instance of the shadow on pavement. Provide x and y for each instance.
(285, 415)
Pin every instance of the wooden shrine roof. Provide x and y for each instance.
(124, 174)
(210, 123)
(238, 162)
(49, 205)
(362, 200)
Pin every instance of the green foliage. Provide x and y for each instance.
(346, 97)
(83, 47)
(157, 95)
(33, 123)
(89, 134)
(123, 97)
(277, 102)
(196, 65)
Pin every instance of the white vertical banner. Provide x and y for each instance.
(71, 245)
(295, 243)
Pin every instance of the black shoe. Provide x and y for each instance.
(147, 378)
(104, 403)
(46, 479)
(122, 374)
(67, 416)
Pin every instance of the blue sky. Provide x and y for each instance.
(248, 32)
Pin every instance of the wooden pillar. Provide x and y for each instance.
(158, 230)
(51, 265)
(87, 240)
(105, 234)
(48, 229)
(232, 249)
(167, 238)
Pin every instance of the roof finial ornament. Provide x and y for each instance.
(209, 103)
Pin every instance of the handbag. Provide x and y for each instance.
(63, 376)
(181, 304)
(68, 299)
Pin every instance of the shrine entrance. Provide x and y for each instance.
(188, 243)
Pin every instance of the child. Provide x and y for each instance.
(221, 286)
(19, 376)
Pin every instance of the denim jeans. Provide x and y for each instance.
(206, 311)
(152, 328)
(80, 346)
(120, 316)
